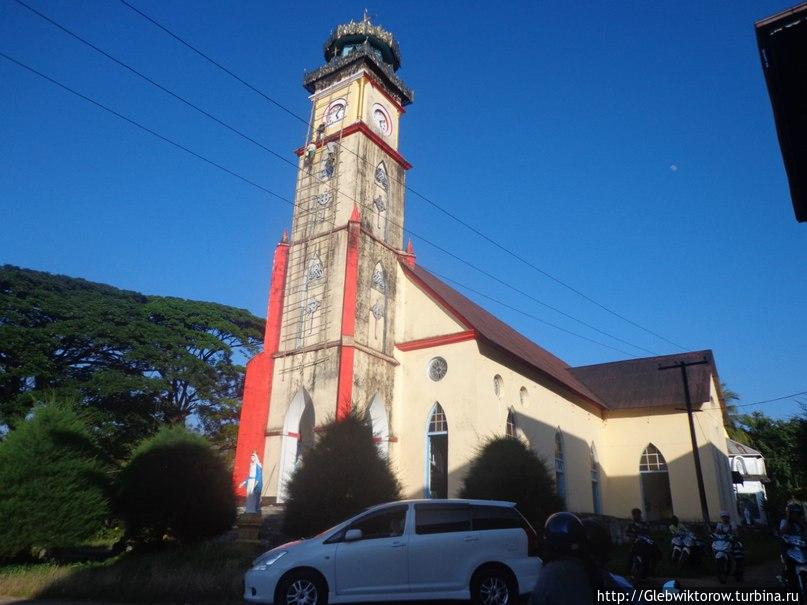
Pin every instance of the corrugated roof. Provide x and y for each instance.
(735, 448)
(499, 334)
(638, 383)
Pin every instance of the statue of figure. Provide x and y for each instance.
(254, 484)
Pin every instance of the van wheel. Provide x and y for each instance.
(493, 586)
(302, 588)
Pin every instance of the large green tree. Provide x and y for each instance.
(135, 361)
(783, 443)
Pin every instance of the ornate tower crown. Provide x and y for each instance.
(346, 38)
(356, 44)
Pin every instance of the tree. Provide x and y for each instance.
(507, 469)
(783, 444)
(136, 361)
(341, 475)
(53, 488)
(734, 428)
(177, 485)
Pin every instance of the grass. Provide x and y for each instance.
(203, 573)
(759, 548)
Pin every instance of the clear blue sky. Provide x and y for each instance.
(627, 148)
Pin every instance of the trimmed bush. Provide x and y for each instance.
(53, 488)
(507, 469)
(341, 475)
(177, 486)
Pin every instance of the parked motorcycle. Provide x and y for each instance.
(794, 556)
(643, 557)
(729, 555)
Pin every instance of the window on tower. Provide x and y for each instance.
(381, 176)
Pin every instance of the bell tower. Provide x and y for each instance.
(330, 323)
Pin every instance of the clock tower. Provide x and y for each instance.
(328, 346)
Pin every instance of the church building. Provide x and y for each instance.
(354, 323)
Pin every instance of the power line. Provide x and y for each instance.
(522, 312)
(213, 163)
(295, 167)
(791, 396)
(434, 204)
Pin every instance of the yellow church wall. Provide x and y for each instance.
(420, 316)
(628, 432)
(474, 414)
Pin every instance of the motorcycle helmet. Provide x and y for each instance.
(598, 540)
(564, 534)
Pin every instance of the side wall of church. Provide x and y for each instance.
(474, 412)
(627, 434)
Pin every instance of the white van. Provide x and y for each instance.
(414, 550)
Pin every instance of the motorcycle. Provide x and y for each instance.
(729, 555)
(795, 557)
(686, 547)
(642, 558)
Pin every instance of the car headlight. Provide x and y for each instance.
(264, 561)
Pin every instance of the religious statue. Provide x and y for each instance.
(254, 485)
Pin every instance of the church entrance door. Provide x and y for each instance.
(437, 454)
(656, 494)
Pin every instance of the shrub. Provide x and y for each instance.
(507, 469)
(53, 489)
(175, 485)
(341, 475)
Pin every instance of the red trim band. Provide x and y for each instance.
(364, 129)
(436, 341)
(380, 88)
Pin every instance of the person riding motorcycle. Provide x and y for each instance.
(792, 525)
(598, 549)
(725, 527)
(724, 532)
(568, 575)
(639, 528)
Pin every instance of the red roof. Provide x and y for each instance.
(638, 383)
(497, 333)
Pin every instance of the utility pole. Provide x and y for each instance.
(683, 365)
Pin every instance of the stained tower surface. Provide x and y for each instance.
(330, 323)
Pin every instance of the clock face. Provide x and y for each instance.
(381, 119)
(335, 112)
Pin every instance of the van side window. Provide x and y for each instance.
(495, 517)
(383, 524)
(436, 519)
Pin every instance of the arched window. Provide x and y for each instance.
(498, 385)
(560, 465)
(595, 479)
(655, 481)
(524, 396)
(437, 454)
(379, 421)
(652, 460)
(740, 466)
(510, 426)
